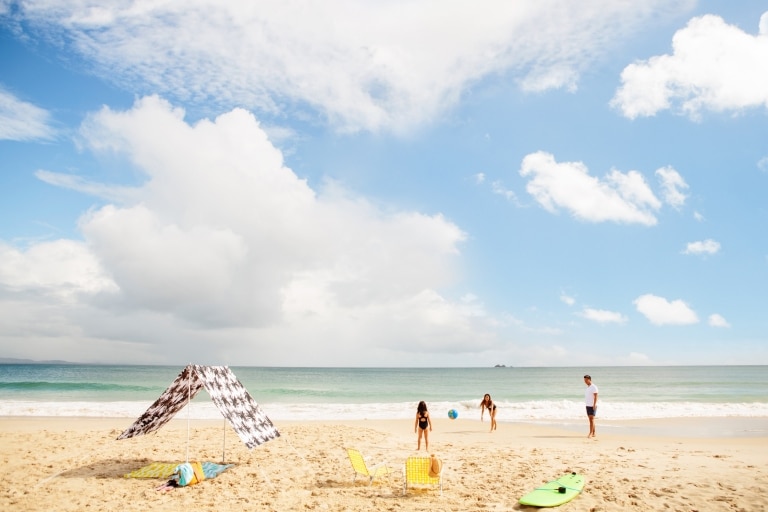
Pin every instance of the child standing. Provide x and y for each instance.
(487, 403)
(422, 423)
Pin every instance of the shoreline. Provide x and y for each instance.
(701, 427)
(74, 464)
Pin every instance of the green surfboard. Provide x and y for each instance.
(556, 492)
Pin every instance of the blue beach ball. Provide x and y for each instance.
(453, 414)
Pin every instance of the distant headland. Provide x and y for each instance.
(11, 360)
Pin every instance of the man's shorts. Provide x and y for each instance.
(591, 411)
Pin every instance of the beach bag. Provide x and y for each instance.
(189, 473)
(435, 467)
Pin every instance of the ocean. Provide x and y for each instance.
(522, 394)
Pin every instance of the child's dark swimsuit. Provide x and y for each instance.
(423, 422)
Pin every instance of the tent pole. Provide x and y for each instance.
(189, 407)
(224, 443)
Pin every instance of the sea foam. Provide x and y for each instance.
(530, 411)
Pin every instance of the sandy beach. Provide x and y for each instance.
(76, 464)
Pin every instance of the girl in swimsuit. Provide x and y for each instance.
(421, 424)
(487, 403)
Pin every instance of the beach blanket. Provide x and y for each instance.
(164, 470)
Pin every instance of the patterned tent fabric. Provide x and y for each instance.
(227, 393)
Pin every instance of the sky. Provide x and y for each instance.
(405, 183)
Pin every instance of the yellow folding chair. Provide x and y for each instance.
(417, 472)
(361, 468)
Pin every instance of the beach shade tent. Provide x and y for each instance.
(227, 393)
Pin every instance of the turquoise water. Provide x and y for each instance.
(522, 394)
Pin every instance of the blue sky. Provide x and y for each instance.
(384, 183)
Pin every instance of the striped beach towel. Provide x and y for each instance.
(165, 470)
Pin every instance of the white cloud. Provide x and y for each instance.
(698, 216)
(716, 320)
(619, 197)
(550, 77)
(79, 184)
(713, 66)
(638, 358)
(223, 251)
(603, 316)
(660, 311)
(23, 121)
(499, 189)
(672, 184)
(567, 299)
(480, 178)
(707, 246)
(762, 164)
(363, 65)
(61, 269)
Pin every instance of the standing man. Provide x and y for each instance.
(590, 397)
